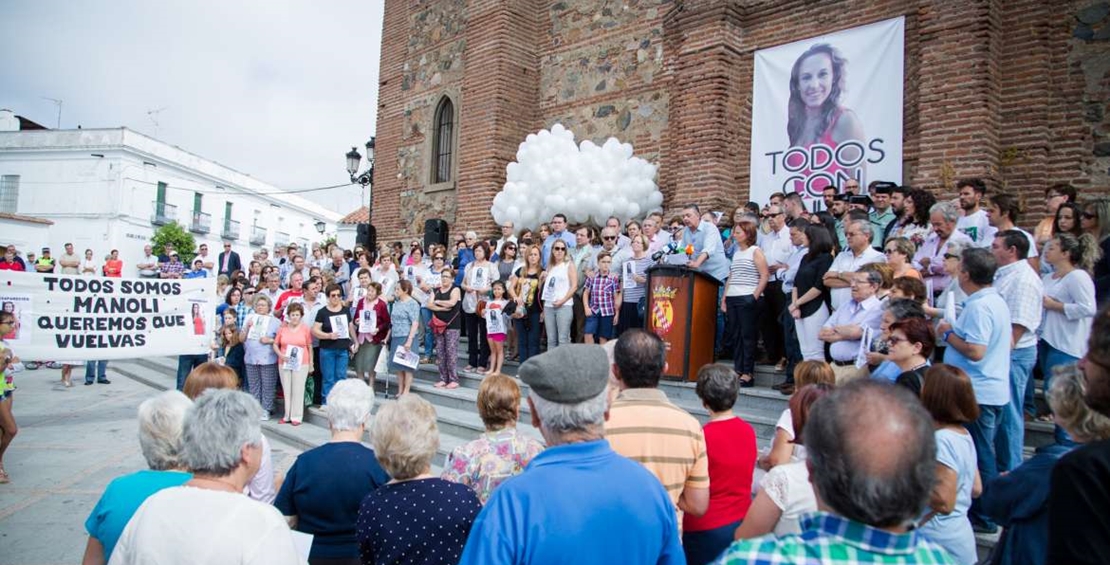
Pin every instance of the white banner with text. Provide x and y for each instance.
(84, 318)
(828, 109)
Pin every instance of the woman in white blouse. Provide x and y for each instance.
(90, 266)
(785, 493)
(1069, 301)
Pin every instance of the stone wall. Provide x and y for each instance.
(1017, 91)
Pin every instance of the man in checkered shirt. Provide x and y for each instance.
(872, 458)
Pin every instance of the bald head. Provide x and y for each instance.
(871, 453)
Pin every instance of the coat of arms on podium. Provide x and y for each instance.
(662, 311)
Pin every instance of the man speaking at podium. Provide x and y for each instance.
(708, 253)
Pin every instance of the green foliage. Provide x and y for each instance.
(328, 241)
(177, 236)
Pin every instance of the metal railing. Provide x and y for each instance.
(231, 230)
(258, 235)
(202, 222)
(163, 213)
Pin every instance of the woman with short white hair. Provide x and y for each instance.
(328, 509)
(438, 514)
(160, 425)
(208, 519)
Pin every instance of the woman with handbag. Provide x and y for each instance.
(476, 283)
(445, 306)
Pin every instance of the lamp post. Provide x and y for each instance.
(365, 178)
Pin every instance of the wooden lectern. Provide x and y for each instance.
(682, 310)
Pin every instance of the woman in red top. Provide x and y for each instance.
(372, 330)
(113, 267)
(293, 344)
(730, 445)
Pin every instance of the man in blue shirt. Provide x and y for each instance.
(558, 231)
(466, 255)
(578, 501)
(709, 252)
(979, 343)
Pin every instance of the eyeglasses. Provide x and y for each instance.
(335, 295)
(558, 248)
(951, 256)
(609, 237)
(770, 215)
(1089, 215)
(891, 250)
(673, 229)
(437, 258)
(895, 340)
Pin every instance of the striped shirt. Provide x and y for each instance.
(743, 276)
(646, 427)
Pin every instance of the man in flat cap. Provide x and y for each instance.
(578, 500)
(645, 426)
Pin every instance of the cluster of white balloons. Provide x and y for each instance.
(585, 182)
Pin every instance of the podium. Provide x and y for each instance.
(682, 310)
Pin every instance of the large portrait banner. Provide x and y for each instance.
(828, 109)
(84, 318)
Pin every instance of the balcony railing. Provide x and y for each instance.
(281, 239)
(163, 213)
(202, 222)
(231, 230)
(258, 235)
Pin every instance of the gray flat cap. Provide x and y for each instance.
(568, 374)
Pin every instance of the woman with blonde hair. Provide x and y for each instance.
(783, 448)
(438, 513)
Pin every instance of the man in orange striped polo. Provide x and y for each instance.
(646, 427)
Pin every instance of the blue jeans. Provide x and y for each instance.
(333, 368)
(528, 331)
(1049, 358)
(96, 368)
(429, 337)
(1011, 435)
(705, 546)
(185, 365)
(984, 432)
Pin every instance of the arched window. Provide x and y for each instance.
(443, 141)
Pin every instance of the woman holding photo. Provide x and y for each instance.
(293, 346)
(372, 322)
(261, 361)
(633, 284)
(478, 278)
(405, 320)
(332, 327)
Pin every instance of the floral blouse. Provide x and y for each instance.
(486, 462)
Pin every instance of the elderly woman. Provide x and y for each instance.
(438, 513)
(160, 422)
(328, 509)
(258, 353)
(731, 447)
(222, 445)
(502, 451)
(1018, 501)
(215, 376)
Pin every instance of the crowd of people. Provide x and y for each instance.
(897, 321)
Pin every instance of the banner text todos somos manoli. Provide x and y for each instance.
(83, 318)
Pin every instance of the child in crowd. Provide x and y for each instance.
(496, 324)
(601, 293)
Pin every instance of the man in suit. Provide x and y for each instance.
(229, 261)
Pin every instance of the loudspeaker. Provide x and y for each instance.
(435, 231)
(367, 237)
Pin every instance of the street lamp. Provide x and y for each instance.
(321, 226)
(366, 178)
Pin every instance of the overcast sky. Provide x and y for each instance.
(276, 89)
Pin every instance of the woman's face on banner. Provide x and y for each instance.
(815, 76)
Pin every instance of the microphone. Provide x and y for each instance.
(670, 249)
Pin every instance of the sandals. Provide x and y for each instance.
(746, 381)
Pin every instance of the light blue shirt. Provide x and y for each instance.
(867, 313)
(123, 496)
(953, 531)
(629, 517)
(707, 239)
(985, 320)
(545, 252)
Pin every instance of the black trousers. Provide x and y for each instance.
(772, 303)
(477, 347)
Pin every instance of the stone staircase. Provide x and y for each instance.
(459, 422)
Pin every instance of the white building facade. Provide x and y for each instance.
(107, 189)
